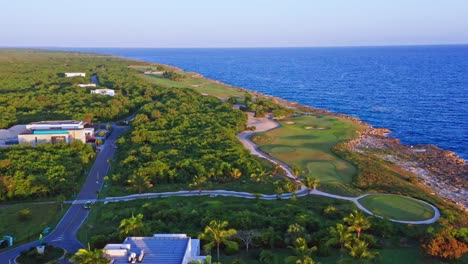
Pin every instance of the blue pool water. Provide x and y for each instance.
(419, 92)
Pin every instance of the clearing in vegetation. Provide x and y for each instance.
(397, 207)
(188, 80)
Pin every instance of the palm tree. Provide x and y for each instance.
(359, 250)
(294, 232)
(217, 233)
(296, 170)
(315, 183)
(235, 173)
(132, 226)
(140, 181)
(290, 187)
(357, 222)
(199, 182)
(302, 253)
(84, 256)
(308, 183)
(339, 235)
(259, 176)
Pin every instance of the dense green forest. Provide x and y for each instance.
(32, 87)
(184, 137)
(44, 171)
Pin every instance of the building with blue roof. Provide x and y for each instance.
(158, 249)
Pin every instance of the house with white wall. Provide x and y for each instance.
(75, 74)
(56, 131)
(86, 85)
(105, 91)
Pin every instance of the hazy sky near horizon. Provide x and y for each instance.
(234, 23)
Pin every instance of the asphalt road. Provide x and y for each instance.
(64, 234)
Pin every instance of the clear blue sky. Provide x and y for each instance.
(232, 23)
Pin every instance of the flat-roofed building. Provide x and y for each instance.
(158, 249)
(75, 74)
(56, 131)
(86, 85)
(105, 91)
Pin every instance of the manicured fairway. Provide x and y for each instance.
(199, 84)
(307, 141)
(397, 207)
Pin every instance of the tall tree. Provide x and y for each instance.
(311, 183)
(294, 232)
(339, 235)
(217, 233)
(296, 170)
(247, 237)
(132, 226)
(360, 251)
(302, 253)
(290, 186)
(357, 222)
(235, 173)
(199, 182)
(139, 181)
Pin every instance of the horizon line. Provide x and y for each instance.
(232, 47)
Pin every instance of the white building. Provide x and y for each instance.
(75, 74)
(56, 131)
(86, 85)
(158, 249)
(106, 91)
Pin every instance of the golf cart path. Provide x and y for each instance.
(262, 125)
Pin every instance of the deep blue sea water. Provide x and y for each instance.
(419, 92)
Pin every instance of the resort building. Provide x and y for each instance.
(86, 85)
(55, 131)
(106, 91)
(75, 74)
(158, 249)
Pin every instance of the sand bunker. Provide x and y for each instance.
(315, 128)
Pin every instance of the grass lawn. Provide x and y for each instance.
(307, 142)
(31, 257)
(397, 207)
(26, 229)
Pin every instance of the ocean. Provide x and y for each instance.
(419, 92)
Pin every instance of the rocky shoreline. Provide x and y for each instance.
(440, 170)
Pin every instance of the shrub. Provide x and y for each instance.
(24, 215)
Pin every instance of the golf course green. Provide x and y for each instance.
(306, 141)
(397, 207)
